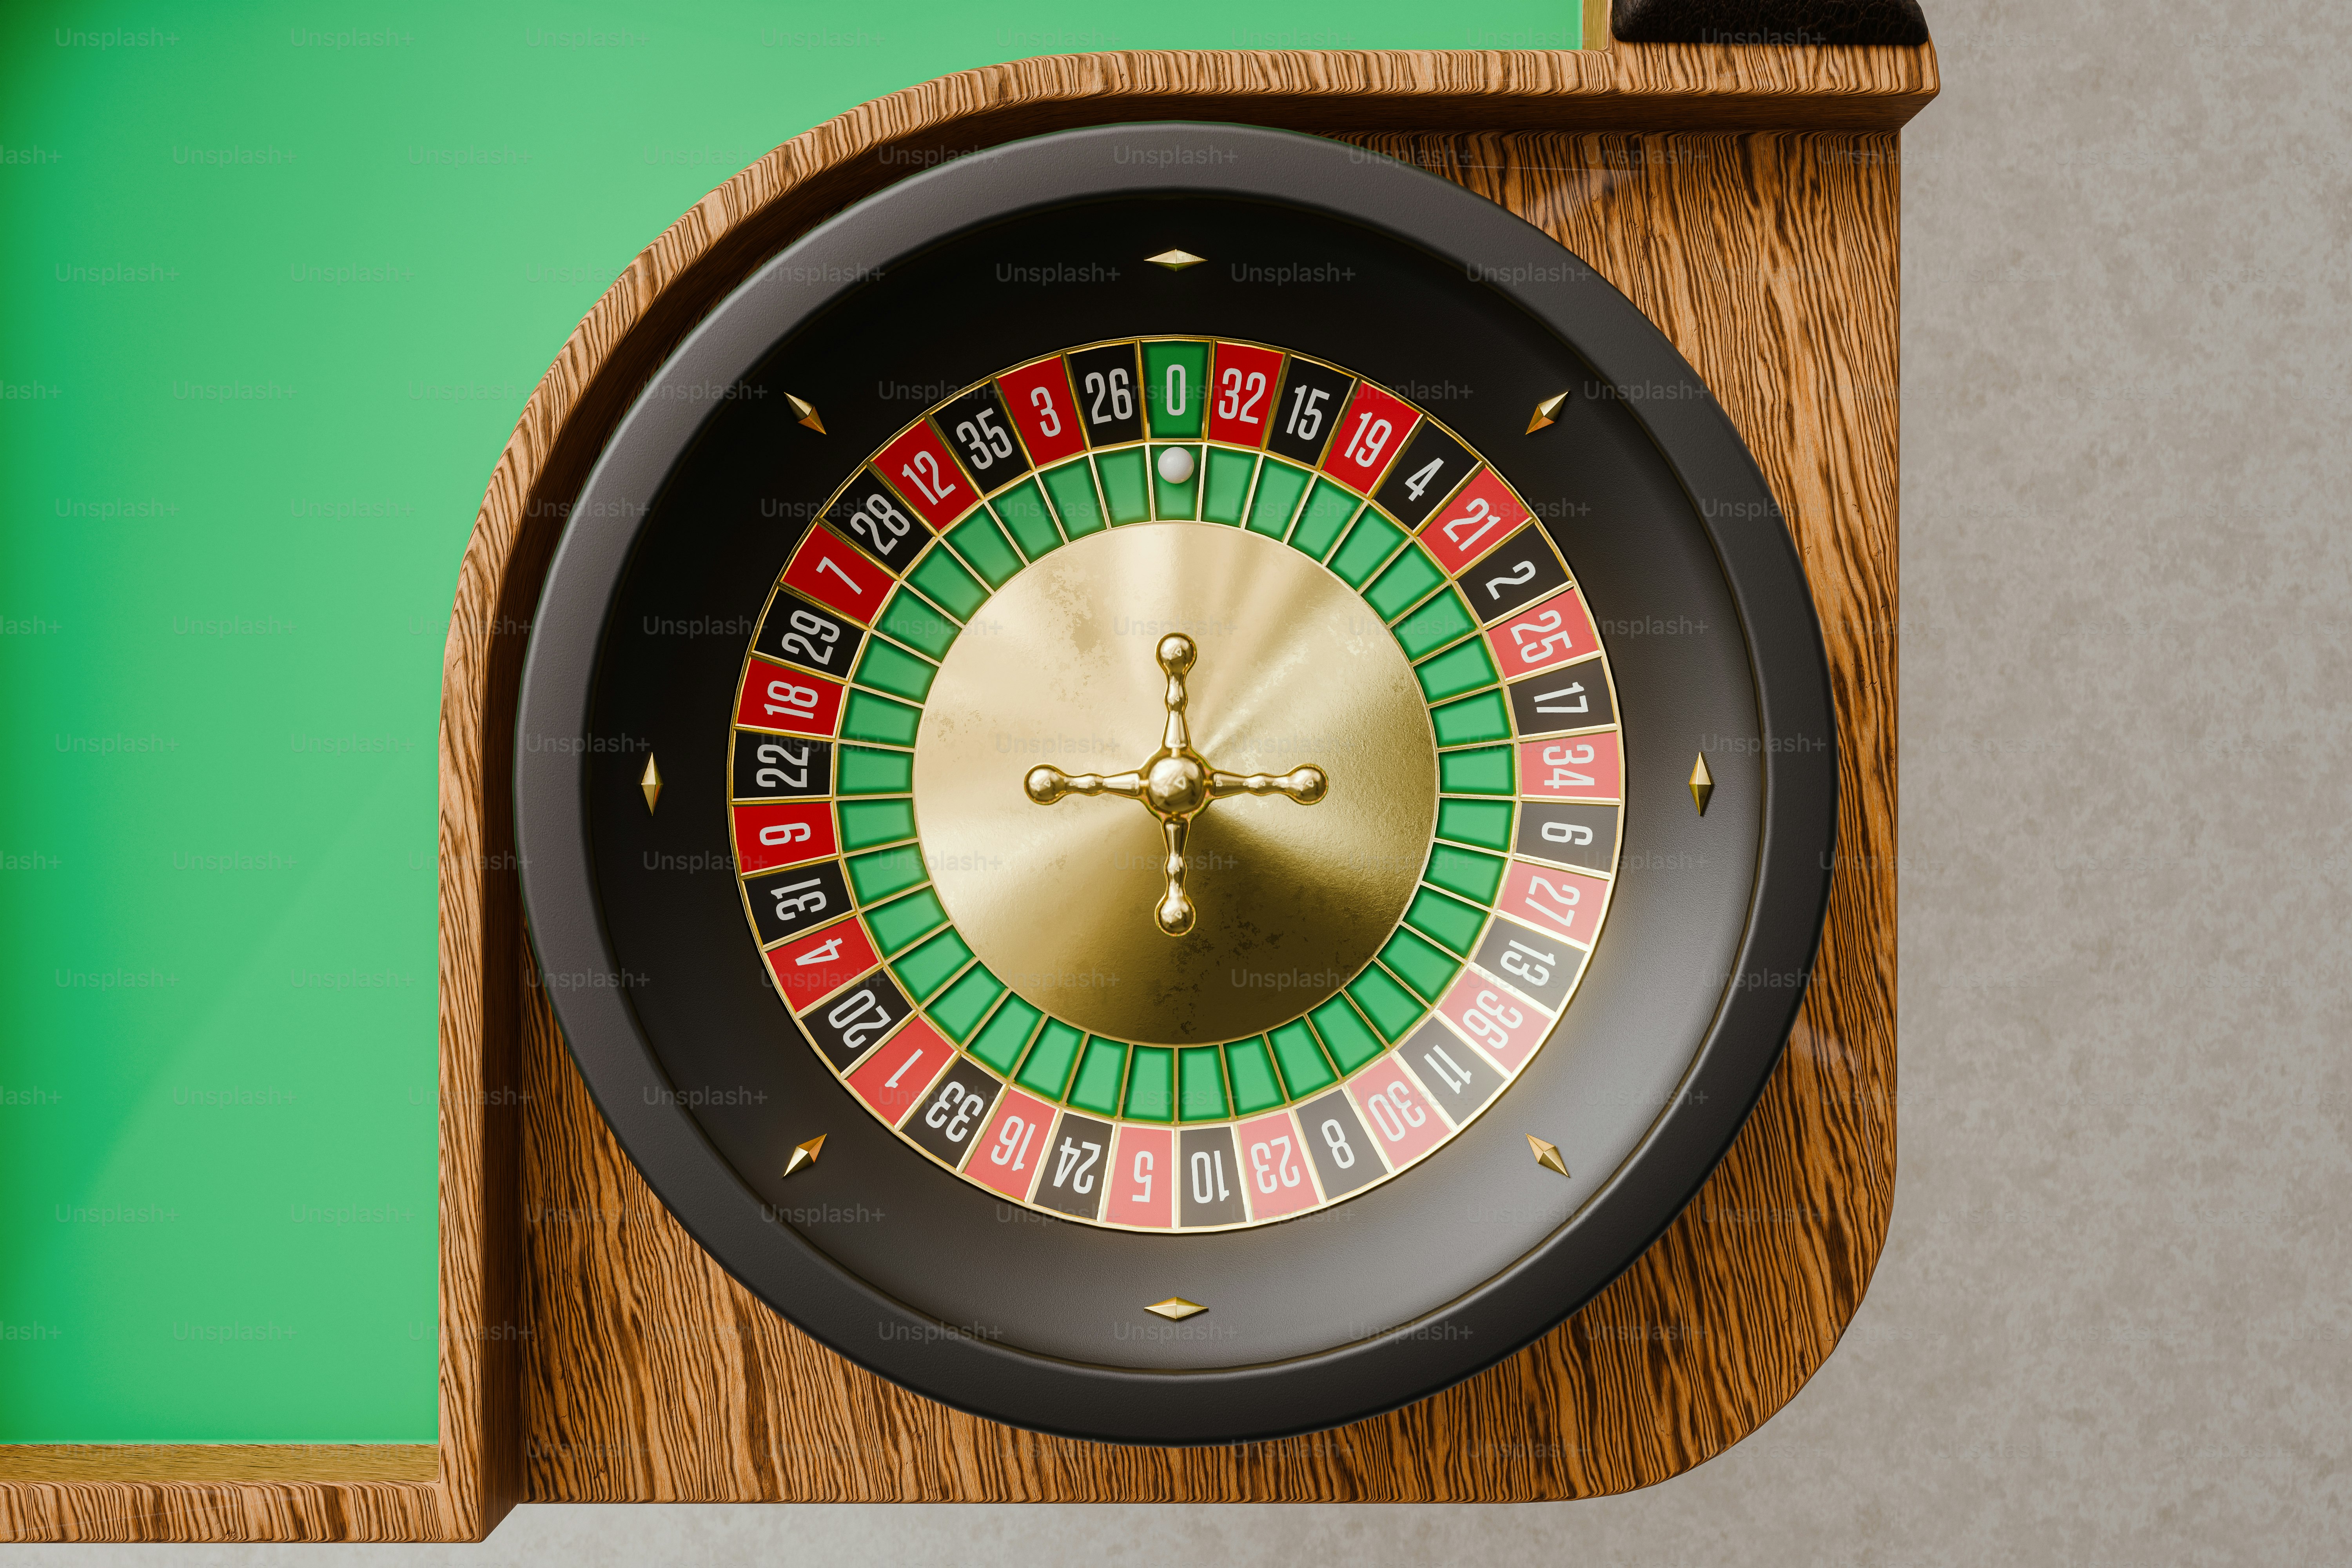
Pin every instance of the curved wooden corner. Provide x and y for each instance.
(1668, 1366)
(1745, 198)
(1770, 256)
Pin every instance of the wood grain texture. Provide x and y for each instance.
(220, 1461)
(1769, 259)
(590, 1350)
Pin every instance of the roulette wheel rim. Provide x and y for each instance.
(1796, 791)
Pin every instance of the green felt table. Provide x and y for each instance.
(280, 280)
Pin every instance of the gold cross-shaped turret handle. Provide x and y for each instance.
(1176, 783)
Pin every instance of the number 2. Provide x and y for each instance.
(1525, 574)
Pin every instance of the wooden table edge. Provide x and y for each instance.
(381, 1492)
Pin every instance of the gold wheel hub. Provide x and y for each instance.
(1176, 783)
(1221, 909)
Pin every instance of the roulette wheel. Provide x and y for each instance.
(1175, 783)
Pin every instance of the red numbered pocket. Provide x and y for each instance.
(1589, 767)
(1565, 902)
(1393, 1106)
(1243, 386)
(776, 697)
(1508, 1028)
(1371, 432)
(832, 573)
(1541, 636)
(785, 833)
(917, 467)
(1474, 522)
(896, 1076)
(1142, 1179)
(1275, 1167)
(1038, 398)
(1013, 1145)
(821, 963)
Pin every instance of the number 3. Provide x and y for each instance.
(1049, 418)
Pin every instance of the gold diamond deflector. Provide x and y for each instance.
(1546, 1154)
(804, 1154)
(650, 781)
(1176, 1308)
(1176, 260)
(1702, 784)
(1176, 783)
(1059, 669)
